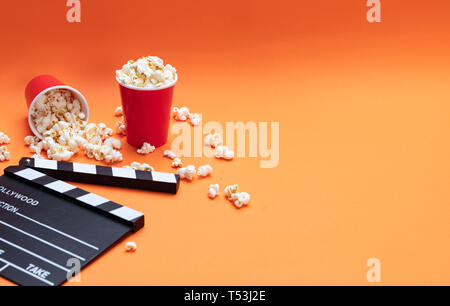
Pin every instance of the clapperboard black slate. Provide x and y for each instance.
(111, 176)
(46, 223)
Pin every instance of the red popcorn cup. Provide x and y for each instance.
(42, 84)
(147, 113)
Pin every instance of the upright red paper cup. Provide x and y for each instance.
(147, 113)
(42, 84)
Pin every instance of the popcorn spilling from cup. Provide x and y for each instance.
(55, 106)
(58, 118)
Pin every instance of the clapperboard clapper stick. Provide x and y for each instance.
(102, 175)
(48, 228)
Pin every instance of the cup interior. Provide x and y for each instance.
(76, 93)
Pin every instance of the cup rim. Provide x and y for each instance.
(148, 89)
(82, 100)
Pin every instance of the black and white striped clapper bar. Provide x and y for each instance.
(50, 229)
(111, 176)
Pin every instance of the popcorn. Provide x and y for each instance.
(99, 144)
(177, 163)
(138, 166)
(96, 133)
(142, 167)
(4, 139)
(195, 119)
(104, 151)
(91, 133)
(57, 115)
(239, 199)
(181, 114)
(114, 156)
(169, 154)
(118, 112)
(36, 148)
(4, 153)
(213, 140)
(204, 170)
(37, 156)
(59, 152)
(213, 191)
(113, 142)
(121, 128)
(130, 246)
(61, 133)
(55, 106)
(104, 131)
(230, 190)
(31, 140)
(147, 72)
(146, 148)
(187, 172)
(93, 151)
(223, 152)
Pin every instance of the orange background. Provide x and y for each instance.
(364, 133)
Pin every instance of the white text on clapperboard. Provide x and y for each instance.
(18, 196)
(8, 207)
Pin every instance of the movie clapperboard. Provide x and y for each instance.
(48, 227)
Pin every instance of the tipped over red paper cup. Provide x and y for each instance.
(42, 84)
(147, 109)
